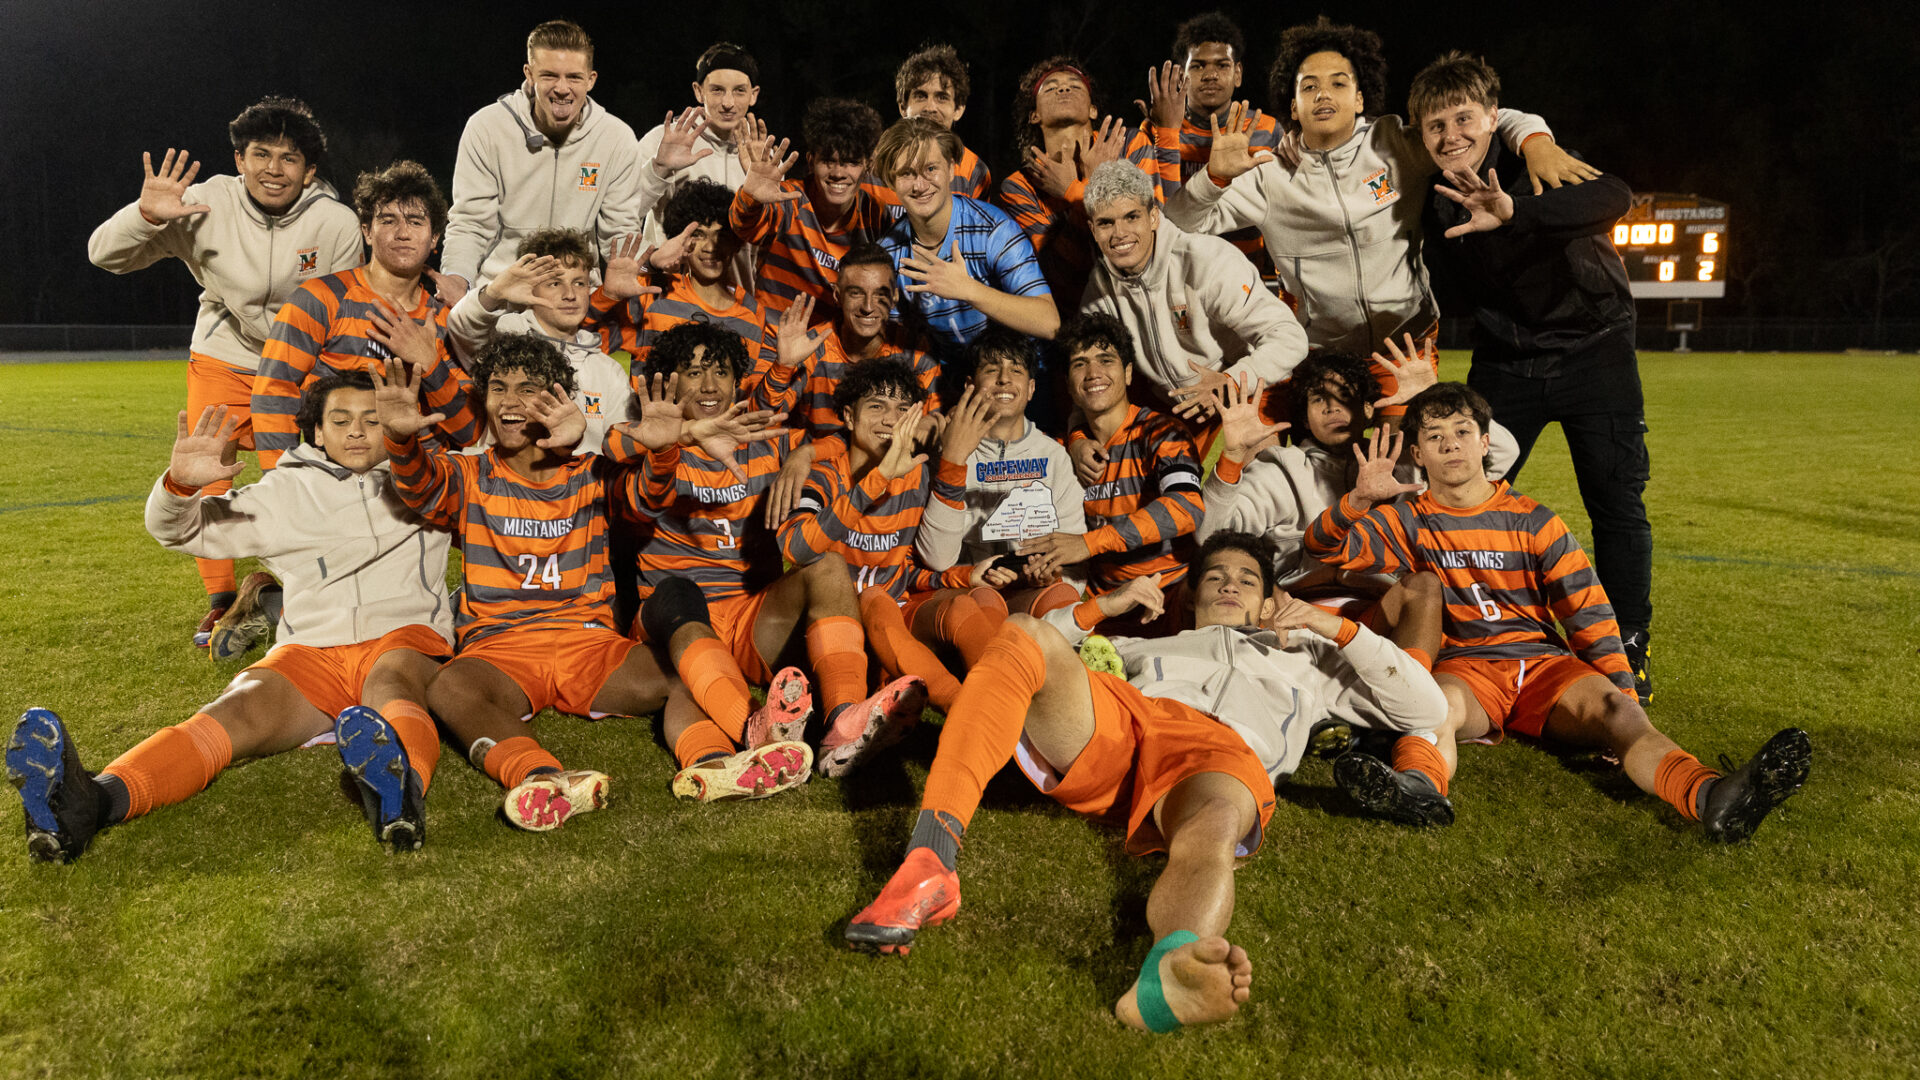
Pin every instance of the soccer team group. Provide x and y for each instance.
(1141, 475)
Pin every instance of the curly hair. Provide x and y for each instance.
(565, 245)
(1342, 376)
(1026, 133)
(313, 400)
(273, 119)
(530, 354)
(840, 129)
(1261, 547)
(887, 376)
(696, 202)
(1092, 330)
(405, 183)
(674, 349)
(1454, 79)
(1441, 400)
(1114, 180)
(1362, 49)
(934, 60)
(1201, 29)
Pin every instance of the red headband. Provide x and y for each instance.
(1056, 69)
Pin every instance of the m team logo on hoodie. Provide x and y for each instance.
(309, 261)
(1382, 188)
(590, 404)
(590, 176)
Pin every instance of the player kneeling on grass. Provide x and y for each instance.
(1511, 571)
(536, 617)
(1142, 752)
(366, 577)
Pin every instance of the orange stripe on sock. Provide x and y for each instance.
(417, 734)
(1414, 754)
(173, 764)
(899, 651)
(713, 678)
(511, 761)
(702, 739)
(1678, 779)
(984, 725)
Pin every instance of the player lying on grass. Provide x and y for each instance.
(716, 598)
(366, 578)
(1144, 754)
(536, 619)
(1515, 580)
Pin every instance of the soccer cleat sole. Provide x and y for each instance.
(750, 774)
(374, 757)
(886, 717)
(36, 756)
(1377, 788)
(1099, 655)
(784, 716)
(546, 801)
(1777, 771)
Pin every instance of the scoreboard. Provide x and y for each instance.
(1675, 246)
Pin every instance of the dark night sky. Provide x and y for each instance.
(1808, 124)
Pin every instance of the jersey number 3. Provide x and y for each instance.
(549, 578)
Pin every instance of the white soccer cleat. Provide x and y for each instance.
(544, 801)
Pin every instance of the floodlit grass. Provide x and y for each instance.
(1566, 925)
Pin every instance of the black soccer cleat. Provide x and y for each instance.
(390, 789)
(1636, 645)
(1397, 796)
(1740, 800)
(64, 807)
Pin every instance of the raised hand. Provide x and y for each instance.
(162, 195)
(900, 459)
(1089, 461)
(661, 417)
(1413, 370)
(1232, 153)
(1054, 552)
(1289, 150)
(784, 495)
(566, 425)
(624, 262)
(678, 141)
(722, 436)
(1053, 175)
(396, 393)
(1488, 204)
(766, 163)
(945, 278)
(972, 417)
(1551, 166)
(516, 284)
(1201, 398)
(794, 343)
(1109, 144)
(1376, 482)
(205, 454)
(671, 255)
(1242, 434)
(1166, 104)
(410, 341)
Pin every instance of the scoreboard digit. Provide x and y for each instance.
(1674, 246)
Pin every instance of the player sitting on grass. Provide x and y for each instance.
(709, 539)
(1148, 755)
(536, 620)
(1512, 571)
(367, 577)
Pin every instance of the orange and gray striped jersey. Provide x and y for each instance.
(971, 177)
(1057, 224)
(1142, 512)
(870, 523)
(1196, 145)
(535, 553)
(322, 330)
(707, 525)
(796, 254)
(805, 392)
(1509, 567)
(635, 324)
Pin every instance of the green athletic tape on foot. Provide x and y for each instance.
(1148, 995)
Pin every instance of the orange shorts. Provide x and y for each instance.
(331, 678)
(215, 382)
(562, 667)
(1519, 695)
(1141, 748)
(732, 621)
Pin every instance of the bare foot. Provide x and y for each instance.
(1204, 981)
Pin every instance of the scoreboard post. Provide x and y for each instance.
(1674, 247)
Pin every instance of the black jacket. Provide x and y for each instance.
(1547, 282)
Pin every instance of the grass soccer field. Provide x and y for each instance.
(1565, 925)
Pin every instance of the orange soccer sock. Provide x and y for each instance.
(417, 734)
(511, 761)
(173, 764)
(984, 725)
(713, 678)
(1421, 657)
(1411, 753)
(961, 621)
(837, 646)
(901, 653)
(703, 739)
(1678, 780)
(1057, 595)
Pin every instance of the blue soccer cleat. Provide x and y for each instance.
(391, 792)
(64, 807)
